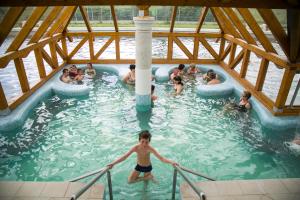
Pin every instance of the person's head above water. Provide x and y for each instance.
(80, 71)
(181, 67)
(209, 71)
(132, 67)
(65, 71)
(90, 66)
(246, 94)
(144, 137)
(193, 65)
(177, 79)
(212, 75)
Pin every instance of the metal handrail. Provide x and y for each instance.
(197, 173)
(180, 170)
(89, 184)
(87, 175)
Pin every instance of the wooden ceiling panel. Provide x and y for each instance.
(279, 4)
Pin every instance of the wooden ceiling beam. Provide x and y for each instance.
(29, 25)
(45, 25)
(276, 29)
(261, 37)
(113, 13)
(226, 23)
(221, 24)
(68, 22)
(202, 16)
(293, 24)
(85, 18)
(9, 20)
(173, 18)
(279, 4)
(239, 25)
(62, 21)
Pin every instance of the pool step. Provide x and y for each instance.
(267, 189)
(15, 190)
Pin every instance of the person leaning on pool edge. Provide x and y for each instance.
(130, 77)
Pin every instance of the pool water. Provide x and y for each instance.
(66, 137)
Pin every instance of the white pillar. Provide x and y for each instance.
(143, 60)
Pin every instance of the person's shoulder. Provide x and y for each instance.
(135, 147)
(248, 105)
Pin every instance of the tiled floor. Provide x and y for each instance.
(47, 191)
(270, 189)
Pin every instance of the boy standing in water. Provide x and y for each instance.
(143, 150)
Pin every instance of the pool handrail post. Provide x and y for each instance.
(199, 192)
(109, 185)
(174, 183)
(89, 184)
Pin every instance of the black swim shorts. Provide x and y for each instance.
(140, 168)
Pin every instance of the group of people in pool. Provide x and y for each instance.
(75, 76)
(178, 75)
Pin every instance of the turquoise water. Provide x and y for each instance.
(64, 138)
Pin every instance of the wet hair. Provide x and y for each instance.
(74, 66)
(212, 75)
(90, 64)
(145, 134)
(209, 71)
(178, 78)
(132, 66)
(152, 88)
(192, 65)
(247, 94)
(65, 70)
(181, 66)
(79, 70)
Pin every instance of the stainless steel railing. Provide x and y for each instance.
(100, 173)
(180, 169)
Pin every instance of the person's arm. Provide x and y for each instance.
(122, 158)
(179, 89)
(248, 106)
(165, 160)
(125, 79)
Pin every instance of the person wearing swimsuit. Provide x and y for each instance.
(143, 151)
(178, 85)
(179, 71)
(130, 77)
(73, 72)
(193, 69)
(244, 103)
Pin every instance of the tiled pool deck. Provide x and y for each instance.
(47, 191)
(269, 189)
